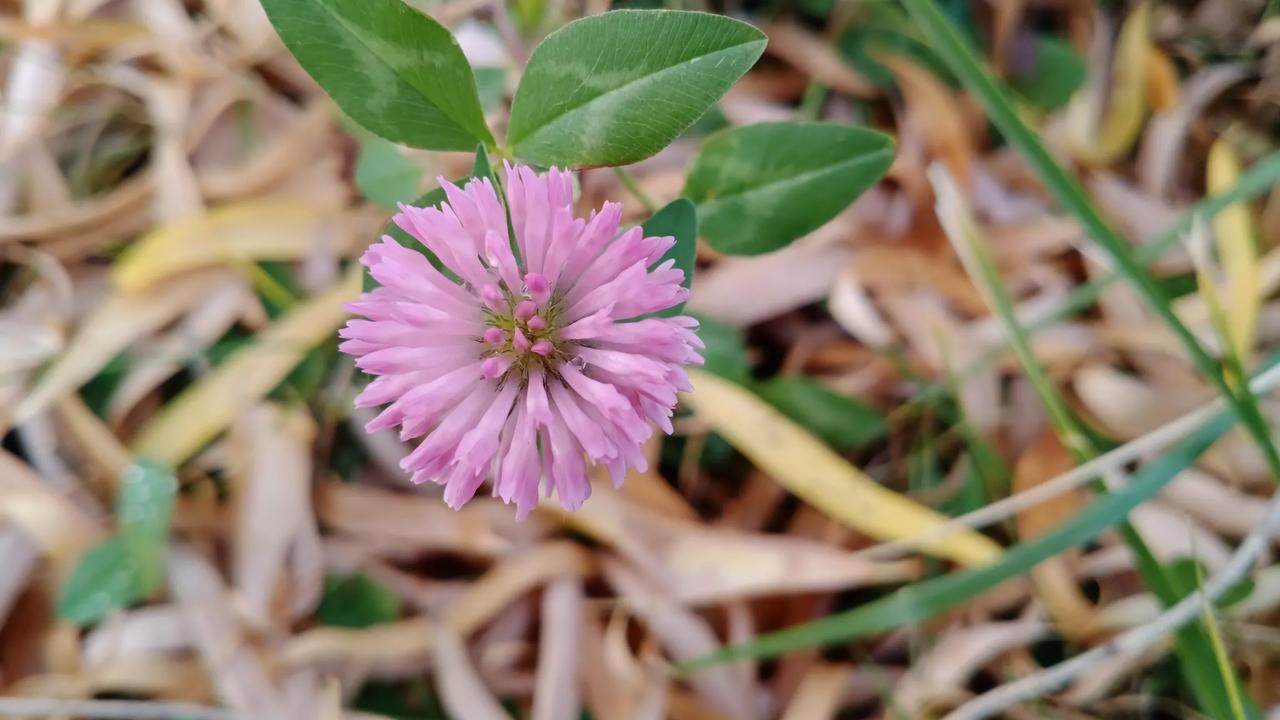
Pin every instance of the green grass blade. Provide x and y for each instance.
(1259, 179)
(1193, 644)
(924, 600)
(959, 55)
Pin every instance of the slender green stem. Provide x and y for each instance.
(633, 187)
(811, 104)
(960, 56)
(1193, 643)
(1257, 180)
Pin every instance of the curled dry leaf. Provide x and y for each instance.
(238, 673)
(820, 693)
(417, 522)
(1104, 125)
(206, 408)
(1174, 534)
(58, 527)
(230, 235)
(399, 646)
(515, 575)
(946, 667)
(391, 649)
(206, 322)
(853, 309)
(699, 565)
(934, 113)
(1163, 145)
(461, 689)
(276, 544)
(1055, 579)
(138, 633)
(742, 291)
(556, 693)
(118, 321)
(21, 556)
(810, 470)
(798, 47)
(685, 636)
(1214, 504)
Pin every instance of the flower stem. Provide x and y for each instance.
(633, 187)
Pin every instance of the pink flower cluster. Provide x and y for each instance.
(533, 365)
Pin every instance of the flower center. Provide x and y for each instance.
(521, 333)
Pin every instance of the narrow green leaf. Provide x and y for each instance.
(678, 220)
(105, 580)
(726, 350)
(144, 509)
(860, 42)
(392, 69)
(1185, 575)
(959, 54)
(491, 83)
(1257, 180)
(923, 600)
(482, 168)
(1193, 643)
(840, 421)
(616, 88)
(759, 187)
(385, 175)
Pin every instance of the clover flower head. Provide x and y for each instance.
(530, 360)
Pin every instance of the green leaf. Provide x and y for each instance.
(616, 88)
(1059, 71)
(492, 85)
(923, 600)
(759, 187)
(726, 350)
(385, 175)
(1257, 180)
(144, 509)
(960, 55)
(105, 580)
(392, 69)
(840, 421)
(481, 168)
(1186, 576)
(356, 601)
(678, 220)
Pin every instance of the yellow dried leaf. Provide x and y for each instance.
(206, 408)
(1162, 81)
(1237, 245)
(820, 477)
(60, 528)
(231, 235)
(1101, 139)
(116, 323)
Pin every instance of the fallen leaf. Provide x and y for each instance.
(1103, 131)
(229, 235)
(810, 470)
(118, 321)
(206, 408)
